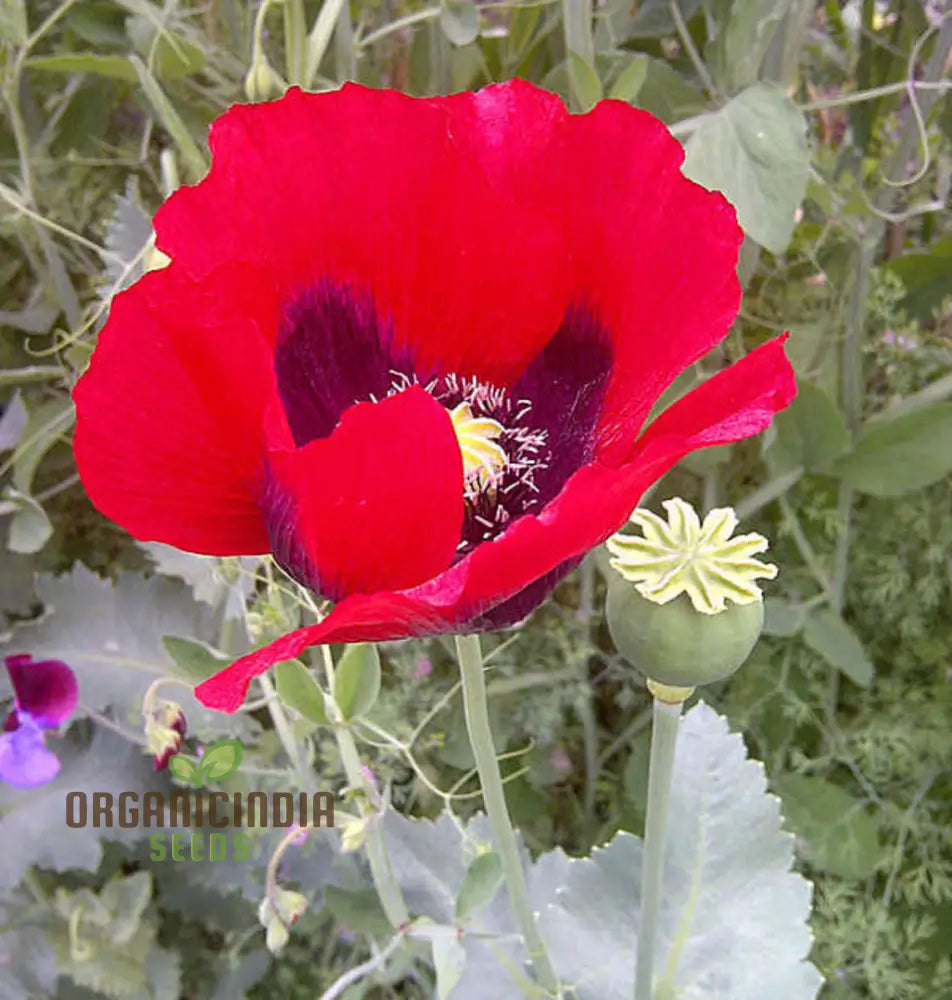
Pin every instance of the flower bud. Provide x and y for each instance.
(675, 624)
(262, 81)
(279, 916)
(165, 729)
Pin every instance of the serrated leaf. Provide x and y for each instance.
(27, 962)
(754, 150)
(838, 832)
(899, 455)
(827, 634)
(109, 764)
(126, 898)
(298, 689)
(734, 923)
(357, 679)
(460, 22)
(206, 576)
(110, 634)
(183, 768)
(480, 883)
(221, 759)
(197, 661)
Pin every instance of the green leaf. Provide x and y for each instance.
(839, 835)
(212, 582)
(46, 425)
(630, 80)
(30, 528)
(810, 433)
(183, 768)
(782, 618)
(728, 889)
(667, 94)
(197, 660)
(586, 85)
(31, 373)
(221, 759)
(829, 636)
(738, 51)
(109, 764)
(169, 54)
(460, 22)
(654, 17)
(357, 679)
(298, 689)
(112, 67)
(12, 422)
(13, 25)
(171, 121)
(754, 150)
(110, 633)
(902, 454)
(358, 910)
(482, 879)
(927, 277)
(449, 960)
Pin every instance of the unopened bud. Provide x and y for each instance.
(279, 916)
(165, 729)
(262, 81)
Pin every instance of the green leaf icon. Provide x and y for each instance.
(219, 760)
(182, 768)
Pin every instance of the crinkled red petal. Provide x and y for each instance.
(369, 188)
(377, 505)
(596, 501)
(169, 435)
(496, 212)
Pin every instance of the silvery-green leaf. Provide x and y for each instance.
(734, 920)
(449, 960)
(33, 827)
(110, 634)
(204, 574)
(12, 422)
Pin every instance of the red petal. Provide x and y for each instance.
(169, 430)
(595, 502)
(653, 253)
(370, 187)
(379, 503)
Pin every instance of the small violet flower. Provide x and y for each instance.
(44, 697)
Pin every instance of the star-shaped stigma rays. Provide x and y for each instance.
(682, 555)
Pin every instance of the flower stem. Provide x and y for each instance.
(481, 740)
(388, 890)
(664, 735)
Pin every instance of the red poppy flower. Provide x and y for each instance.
(409, 346)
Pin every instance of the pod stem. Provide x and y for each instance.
(664, 735)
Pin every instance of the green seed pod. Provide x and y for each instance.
(677, 645)
(685, 608)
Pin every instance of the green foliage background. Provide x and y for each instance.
(829, 127)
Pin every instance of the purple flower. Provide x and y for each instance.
(44, 697)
